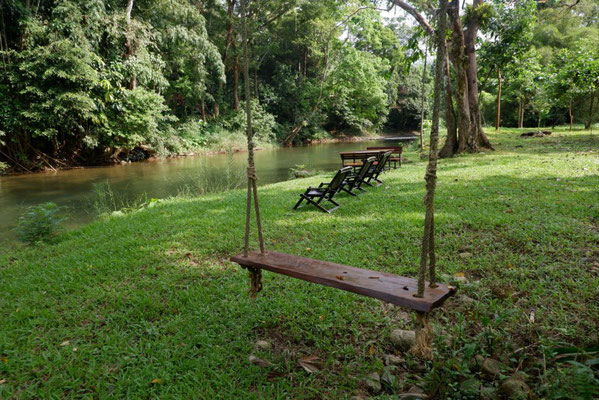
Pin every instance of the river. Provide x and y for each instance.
(75, 190)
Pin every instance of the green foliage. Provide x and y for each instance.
(39, 223)
(264, 125)
(106, 202)
(574, 380)
(357, 90)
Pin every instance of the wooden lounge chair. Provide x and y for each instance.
(355, 181)
(325, 191)
(376, 170)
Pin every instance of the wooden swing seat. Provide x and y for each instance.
(390, 288)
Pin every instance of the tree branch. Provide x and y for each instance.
(416, 14)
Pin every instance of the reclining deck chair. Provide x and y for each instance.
(325, 191)
(376, 169)
(355, 181)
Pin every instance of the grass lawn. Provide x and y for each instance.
(146, 305)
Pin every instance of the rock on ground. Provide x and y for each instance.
(263, 345)
(373, 382)
(391, 359)
(514, 388)
(403, 339)
(490, 368)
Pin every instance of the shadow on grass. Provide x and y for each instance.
(151, 295)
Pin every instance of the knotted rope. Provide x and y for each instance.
(427, 255)
(423, 346)
(255, 273)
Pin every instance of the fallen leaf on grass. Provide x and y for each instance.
(311, 363)
(259, 362)
(3, 381)
(157, 381)
(65, 343)
(272, 375)
(3, 359)
(371, 350)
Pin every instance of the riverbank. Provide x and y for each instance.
(147, 305)
(228, 146)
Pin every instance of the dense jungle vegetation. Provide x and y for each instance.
(96, 81)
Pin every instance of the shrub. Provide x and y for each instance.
(263, 123)
(38, 223)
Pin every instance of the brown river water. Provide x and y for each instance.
(75, 190)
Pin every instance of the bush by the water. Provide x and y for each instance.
(39, 223)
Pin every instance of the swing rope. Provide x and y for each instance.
(428, 258)
(423, 346)
(255, 273)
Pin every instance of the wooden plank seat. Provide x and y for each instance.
(390, 288)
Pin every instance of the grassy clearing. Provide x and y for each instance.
(147, 305)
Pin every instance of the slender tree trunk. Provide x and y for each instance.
(451, 143)
(256, 83)
(589, 122)
(477, 138)
(422, 98)
(203, 110)
(460, 62)
(498, 99)
(570, 114)
(236, 83)
(521, 113)
(130, 51)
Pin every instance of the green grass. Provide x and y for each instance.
(109, 308)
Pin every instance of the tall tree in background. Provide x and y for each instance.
(462, 51)
(509, 29)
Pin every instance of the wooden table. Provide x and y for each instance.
(356, 158)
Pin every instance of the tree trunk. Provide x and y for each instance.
(498, 99)
(460, 63)
(451, 143)
(570, 114)
(256, 83)
(203, 111)
(133, 79)
(477, 137)
(236, 83)
(422, 98)
(521, 113)
(589, 122)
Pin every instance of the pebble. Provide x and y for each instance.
(414, 393)
(403, 339)
(490, 368)
(263, 345)
(373, 382)
(514, 388)
(391, 359)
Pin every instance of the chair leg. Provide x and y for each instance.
(299, 202)
(317, 205)
(348, 191)
(334, 202)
